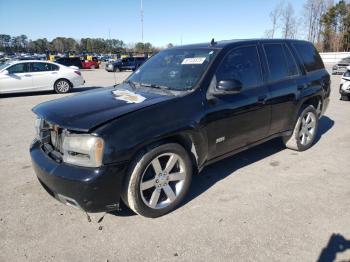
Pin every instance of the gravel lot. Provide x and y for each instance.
(265, 204)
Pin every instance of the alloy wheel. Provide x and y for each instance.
(163, 180)
(307, 128)
(62, 86)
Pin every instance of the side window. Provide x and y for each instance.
(241, 64)
(53, 67)
(291, 64)
(18, 68)
(41, 67)
(309, 55)
(276, 61)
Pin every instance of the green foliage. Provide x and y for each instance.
(60, 44)
(336, 27)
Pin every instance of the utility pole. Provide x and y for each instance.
(142, 20)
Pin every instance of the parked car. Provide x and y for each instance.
(87, 64)
(70, 61)
(129, 63)
(185, 108)
(341, 66)
(37, 75)
(344, 89)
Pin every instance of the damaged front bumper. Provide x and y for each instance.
(89, 189)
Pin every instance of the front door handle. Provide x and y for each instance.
(27, 75)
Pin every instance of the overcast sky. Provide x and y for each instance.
(165, 21)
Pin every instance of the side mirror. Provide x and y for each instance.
(231, 86)
(5, 72)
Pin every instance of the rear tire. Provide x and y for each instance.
(62, 86)
(158, 180)
(305, 130)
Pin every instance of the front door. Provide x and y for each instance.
(18, 79)
(236, 120)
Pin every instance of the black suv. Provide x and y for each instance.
(184, 109)
(129, 63)
(70, 61)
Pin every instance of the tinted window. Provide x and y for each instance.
(309, 55)
(291, 64)
(54, 67)
(241, 64)
(40, 67)
(276, 61)
(18, 68)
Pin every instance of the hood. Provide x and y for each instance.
(90, 109)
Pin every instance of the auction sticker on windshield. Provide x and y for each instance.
(128, 96)
(193, 61)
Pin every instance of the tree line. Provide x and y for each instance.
(322, 22)
(22, 43)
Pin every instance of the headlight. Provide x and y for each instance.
(38, 127)
(83, 150)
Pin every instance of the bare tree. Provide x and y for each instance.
(288, 22)
(312, 15)
(275, 16)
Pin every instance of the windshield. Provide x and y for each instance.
(177, 69)
(4, 65)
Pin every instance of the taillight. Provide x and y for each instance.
(77, 72)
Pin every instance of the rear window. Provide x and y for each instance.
(309, 55)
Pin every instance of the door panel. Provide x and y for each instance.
(236, 120)
(285, 83)
(18, 79)
(43, 76)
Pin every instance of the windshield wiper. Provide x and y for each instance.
(154, 86)
(131, 83)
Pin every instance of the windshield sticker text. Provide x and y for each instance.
(193, 61)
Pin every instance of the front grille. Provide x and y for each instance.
(51, 137)
(56, 139)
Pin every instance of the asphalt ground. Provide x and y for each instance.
(265, 204)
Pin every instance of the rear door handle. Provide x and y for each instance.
(27, 75)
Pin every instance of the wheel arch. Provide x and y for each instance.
(186, 139)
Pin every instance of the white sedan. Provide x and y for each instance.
(35, 75)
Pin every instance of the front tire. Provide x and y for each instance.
(62, 86)
(158, 181)
(305, 130)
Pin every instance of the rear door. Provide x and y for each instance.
(44, 75)
(17, 80)
(236, 120)
(284, 78)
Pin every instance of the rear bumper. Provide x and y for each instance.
(89, 189)
(77, 81)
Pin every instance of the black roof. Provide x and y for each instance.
(226, 43)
